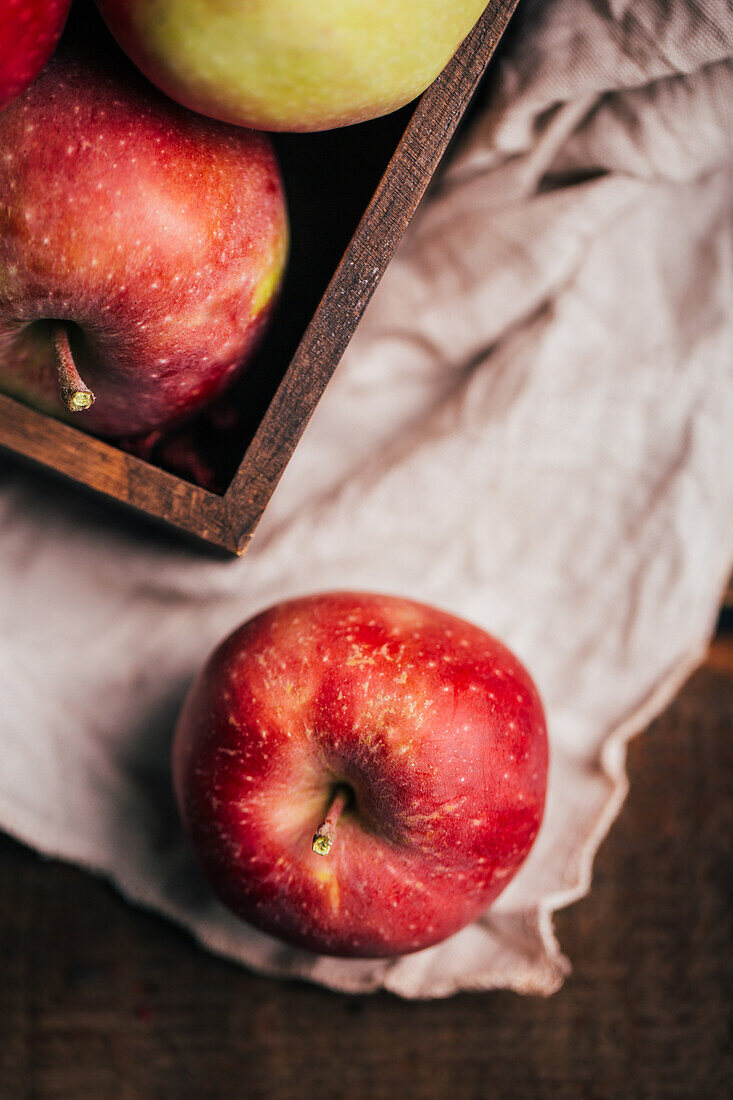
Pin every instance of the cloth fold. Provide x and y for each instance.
(530, 428)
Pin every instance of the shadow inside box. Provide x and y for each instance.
(329, 179)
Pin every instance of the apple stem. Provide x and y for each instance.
(325, 834)
(76, 394)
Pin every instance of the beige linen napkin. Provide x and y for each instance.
(532, 429)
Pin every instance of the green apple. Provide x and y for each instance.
(291, 64)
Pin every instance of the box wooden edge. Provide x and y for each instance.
(397, 197)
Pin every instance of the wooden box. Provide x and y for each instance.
(370, 176)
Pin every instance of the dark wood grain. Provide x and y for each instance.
(113, 472)
(102, 1000)
(228, 521)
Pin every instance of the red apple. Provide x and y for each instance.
(360, 774)
(141, 246)
(29, 32)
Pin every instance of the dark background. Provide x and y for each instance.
(105, 1001)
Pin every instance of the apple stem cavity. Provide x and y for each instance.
(75, 393)
(325, 834)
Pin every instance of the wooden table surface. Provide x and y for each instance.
(99, 1000)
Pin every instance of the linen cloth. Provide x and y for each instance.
(531, 429)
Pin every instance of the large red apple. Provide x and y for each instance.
(360, 774)
(29, 31)
(141, 246)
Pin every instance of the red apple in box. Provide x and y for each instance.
(29, 31)
(141, 246)
(360, 774)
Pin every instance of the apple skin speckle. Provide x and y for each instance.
(29, 32)
(160, 235)
(447, 771)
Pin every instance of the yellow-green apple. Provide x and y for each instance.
(360, 774)
(291, 64)
(141, 246)
(29, 32)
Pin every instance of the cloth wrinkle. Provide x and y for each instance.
(530, 428)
